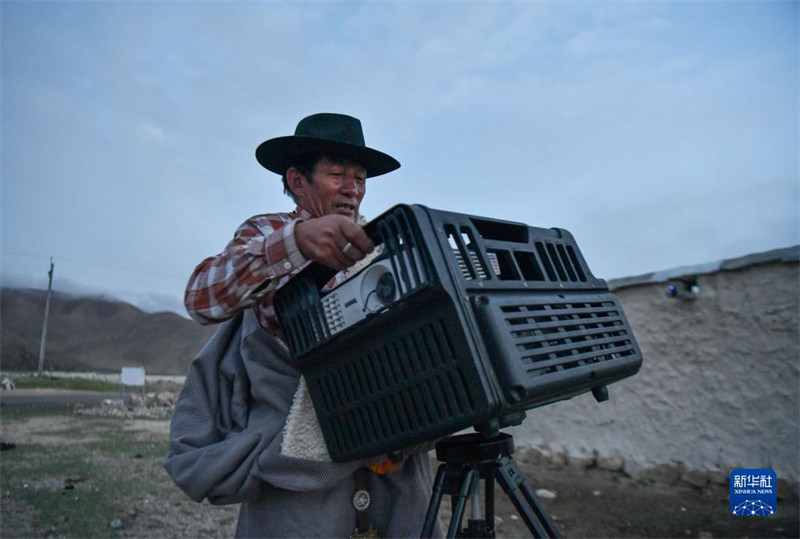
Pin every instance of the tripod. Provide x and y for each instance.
(466, 459)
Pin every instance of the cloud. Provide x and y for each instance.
(129, 128)
(152, 131)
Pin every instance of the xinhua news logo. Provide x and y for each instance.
(753, 492)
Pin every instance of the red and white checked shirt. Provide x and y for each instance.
(259, 259)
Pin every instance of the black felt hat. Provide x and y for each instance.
(324, 133)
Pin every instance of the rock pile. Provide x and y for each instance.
(155, 406)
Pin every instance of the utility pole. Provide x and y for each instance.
(46, 317)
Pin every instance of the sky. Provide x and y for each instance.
(660, 134)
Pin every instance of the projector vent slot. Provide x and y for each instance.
(555, 262)
(502, 264)
(552, 337)
(408, 385)
(304, 319)
(530, 267)
(467, 255)
(333, 312)
(497, 230)
(407, 253)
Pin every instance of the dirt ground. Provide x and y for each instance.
(581, 502)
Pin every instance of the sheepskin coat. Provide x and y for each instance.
(230, 442)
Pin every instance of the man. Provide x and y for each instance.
(324, 167)
(243, 429)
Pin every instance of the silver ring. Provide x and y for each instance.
(346, 247)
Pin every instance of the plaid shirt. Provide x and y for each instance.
(261, 257)
(258, 260)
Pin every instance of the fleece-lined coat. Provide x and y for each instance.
(230, 443)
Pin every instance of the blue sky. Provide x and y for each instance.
(660, 134)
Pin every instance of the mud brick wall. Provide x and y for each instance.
(719, 387)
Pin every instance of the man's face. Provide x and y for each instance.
(338, 186)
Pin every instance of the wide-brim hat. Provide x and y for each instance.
(324, 133)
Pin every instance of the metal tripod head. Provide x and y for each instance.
(466, 459)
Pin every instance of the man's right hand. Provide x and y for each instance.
(325, 240)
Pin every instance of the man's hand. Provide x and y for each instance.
(333, 240)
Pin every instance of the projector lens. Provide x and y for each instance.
(386, 288)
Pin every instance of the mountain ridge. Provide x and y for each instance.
(94, 333)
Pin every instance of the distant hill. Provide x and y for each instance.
(94, 334)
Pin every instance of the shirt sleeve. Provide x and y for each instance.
(262, 250)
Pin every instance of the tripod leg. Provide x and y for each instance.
(488, 510)
(528, 505)
(460, 502)
(436, 500)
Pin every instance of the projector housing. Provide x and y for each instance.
(482, 320)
